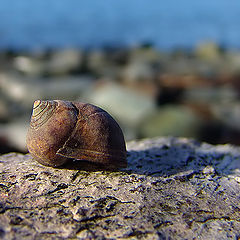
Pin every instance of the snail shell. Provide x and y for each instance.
(63, 130)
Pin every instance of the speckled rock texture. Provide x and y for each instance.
(173, 188)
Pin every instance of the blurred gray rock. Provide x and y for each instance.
(15, 133)
(97, 61)
(138, 71)
(191, 66)
(102, 65)
(210, 95)
(66, 88)
(64, 61)
(170, 120)
(25, 90)
(30, 66)
(172, 189)
(143, 64)
(228, 113)
(232, 62)
(59, 62)
(9, 108)
(180, 66)
(127, 106)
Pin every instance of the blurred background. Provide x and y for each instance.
(158, 67)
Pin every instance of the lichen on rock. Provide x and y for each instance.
(173, 188)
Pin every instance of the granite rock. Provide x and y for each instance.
(173, 188)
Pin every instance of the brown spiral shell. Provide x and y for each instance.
(63, 130)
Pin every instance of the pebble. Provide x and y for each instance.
(125, 105)
(171, 120)
(65, 61)
(25, 90)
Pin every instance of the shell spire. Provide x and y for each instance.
(42, 111)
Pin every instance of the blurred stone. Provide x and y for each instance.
(227, 113)
(183, 81)
(103, 64)
(127, 106)
(148, 54)
(233, 62)
(196, 66)
(147, 88)
(9, 108)
(143, 64)
(4, 110)
(15, 134)
(68, 87)
(24, 91)
(210, 94)
(138, 71)
(96, 61)
(208, 51)
(65, 61)
(30, 66)
(170, 120)
(14, 87)
(129, 132)
(180, 66)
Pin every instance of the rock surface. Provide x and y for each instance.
(173, 188)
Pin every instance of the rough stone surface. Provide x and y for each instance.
(173, 188)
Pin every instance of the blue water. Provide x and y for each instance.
(33, 24)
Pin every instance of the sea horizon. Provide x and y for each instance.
(74, 24)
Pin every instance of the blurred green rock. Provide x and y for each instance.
(170, 120)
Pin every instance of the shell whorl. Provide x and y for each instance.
(42, 111)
